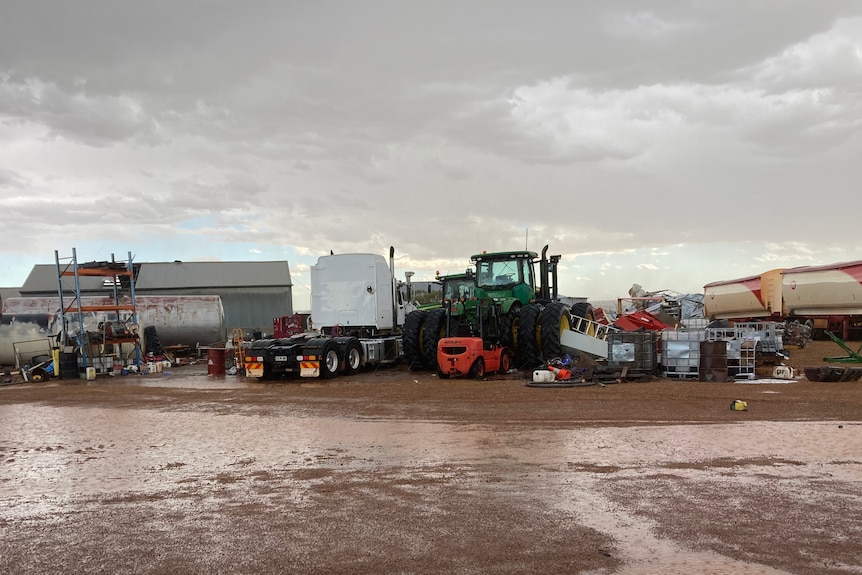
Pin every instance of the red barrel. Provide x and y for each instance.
(215, 361)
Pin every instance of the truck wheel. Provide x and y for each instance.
(477, 370)
(330, 360)
(412, 339)
(553, 321)
(528, 337)
(352, 356)
(432, 331)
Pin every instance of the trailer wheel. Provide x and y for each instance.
(553, 321)
(441, 374)
(528, 338)
(352, 356)
(330, 360)
(412, 339)
(432, 331)
(477, 370)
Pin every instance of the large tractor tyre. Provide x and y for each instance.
(432, 331)
(352, 356)
(528, 337)
(412, 339)
(553, 321)
(509, 328)
(330, 360)
(585, 310)
(152, 341)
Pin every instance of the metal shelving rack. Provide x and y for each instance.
(121, 276)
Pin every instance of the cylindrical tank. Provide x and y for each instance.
(755, 296)
(834, 289)
(179, 320)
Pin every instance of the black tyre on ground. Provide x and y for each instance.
(352, 356)
(509, 327)
(505, 362)
(432, 331)
(553, 321)
(477, 370)
(38, 375)
(330, 360)
(414, 355)
(528, 337)
(152, 341)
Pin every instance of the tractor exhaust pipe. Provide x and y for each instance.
(544, 288)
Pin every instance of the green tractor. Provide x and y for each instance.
(532, 320)
(421, 354)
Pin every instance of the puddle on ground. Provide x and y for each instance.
(52, 454)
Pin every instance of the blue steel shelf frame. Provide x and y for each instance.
(80, 336)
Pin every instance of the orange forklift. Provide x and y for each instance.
(473, 349)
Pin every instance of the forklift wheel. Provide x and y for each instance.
(477, 371)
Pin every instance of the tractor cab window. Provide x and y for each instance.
(527, 272)
(498, 274)
(461, 288)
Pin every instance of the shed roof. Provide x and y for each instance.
(171, 275)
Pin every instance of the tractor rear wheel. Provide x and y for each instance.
(432, 331)
(412, 339)
(553, 321)
(528, 337)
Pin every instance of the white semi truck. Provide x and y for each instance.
(357, 312)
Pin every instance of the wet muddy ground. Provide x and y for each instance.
(398, 472)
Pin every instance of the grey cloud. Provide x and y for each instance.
(11, 179)
(78, 116)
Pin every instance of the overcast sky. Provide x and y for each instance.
(664, 143)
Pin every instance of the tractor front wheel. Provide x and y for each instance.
(432, 331)
(412, 339)
(554, 320)
(528, 336)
